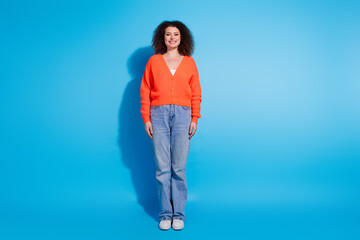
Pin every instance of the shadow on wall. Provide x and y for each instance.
(135, 145)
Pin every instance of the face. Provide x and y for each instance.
(172, 37)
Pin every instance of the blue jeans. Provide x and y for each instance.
(171, 145)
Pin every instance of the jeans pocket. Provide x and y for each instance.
(154, 107)
(186, 108)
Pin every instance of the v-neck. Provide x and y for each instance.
(162, 56)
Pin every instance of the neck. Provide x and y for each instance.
(173, 52)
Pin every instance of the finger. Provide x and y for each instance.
(148, 133)
(151, 130)
(191, 129)
(151, 133)
(193, 133)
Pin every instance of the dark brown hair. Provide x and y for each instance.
(186, 46)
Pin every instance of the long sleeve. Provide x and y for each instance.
(145, 92)
(195, 95)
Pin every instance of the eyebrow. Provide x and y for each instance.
(170, 32)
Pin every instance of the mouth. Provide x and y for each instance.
(172, 42)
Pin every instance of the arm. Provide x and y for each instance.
(195, 95)
(145, 93)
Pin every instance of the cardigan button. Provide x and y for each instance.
(172, 89)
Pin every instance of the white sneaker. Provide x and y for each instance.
(165, 224)
(177, 224)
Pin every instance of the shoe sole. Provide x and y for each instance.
(177, 229)
(164, 229)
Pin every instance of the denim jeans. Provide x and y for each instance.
(171, 145)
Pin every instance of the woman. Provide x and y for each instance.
(170, 106)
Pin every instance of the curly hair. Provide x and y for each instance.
(186, 46)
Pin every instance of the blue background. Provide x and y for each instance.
(276, 154)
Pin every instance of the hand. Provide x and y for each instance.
(148, 129)
(192, 130)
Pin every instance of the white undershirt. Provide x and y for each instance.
(173, 71)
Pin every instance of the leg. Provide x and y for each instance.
(180, 146)
(161, 146)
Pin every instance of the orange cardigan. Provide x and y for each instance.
(160, 87)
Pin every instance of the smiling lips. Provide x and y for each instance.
(172, 41)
